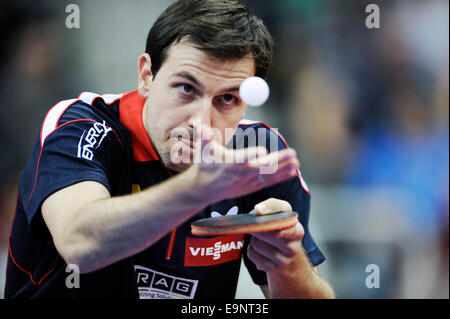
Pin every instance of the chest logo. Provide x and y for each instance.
(212, 251)
(157, 285)
(92, 140)
(233, 211)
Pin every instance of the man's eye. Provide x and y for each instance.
(229, 99)
(186, 89)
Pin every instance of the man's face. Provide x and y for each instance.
(192, 90)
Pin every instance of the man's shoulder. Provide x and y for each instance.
(257, 133)
(86, 108)
(246, 124)
(87, 105)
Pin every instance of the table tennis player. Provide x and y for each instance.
(105, 190)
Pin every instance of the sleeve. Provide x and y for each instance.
(78, 150)
(294, 191)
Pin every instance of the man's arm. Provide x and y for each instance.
(300, 281)
(93, 230)
(286, 291)
(280, 254)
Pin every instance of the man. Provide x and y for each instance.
(74, 202)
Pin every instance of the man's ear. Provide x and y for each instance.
(145, 75)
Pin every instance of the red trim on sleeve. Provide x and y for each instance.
(38, 283)
(11, 254)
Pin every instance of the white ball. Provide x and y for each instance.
(254, 91)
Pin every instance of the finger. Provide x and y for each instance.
(257, 182)
(295, 232)
(287, 247)
(253, 181)
(276, 257)
(252, 170)
(286, 173)
(246, 155)
(274, 170)
(272, 205)
(292, 163)
(273, 159)
(261, 262)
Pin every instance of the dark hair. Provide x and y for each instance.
(225, 29)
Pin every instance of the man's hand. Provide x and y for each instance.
(280, 254)
(236, 173)
(273, 250)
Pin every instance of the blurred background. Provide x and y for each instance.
(366, 109)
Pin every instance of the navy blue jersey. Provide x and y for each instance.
(103, 139)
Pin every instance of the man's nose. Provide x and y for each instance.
(201, 114)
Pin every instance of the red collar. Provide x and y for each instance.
(130, 115)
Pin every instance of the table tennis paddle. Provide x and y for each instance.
(243, 224)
